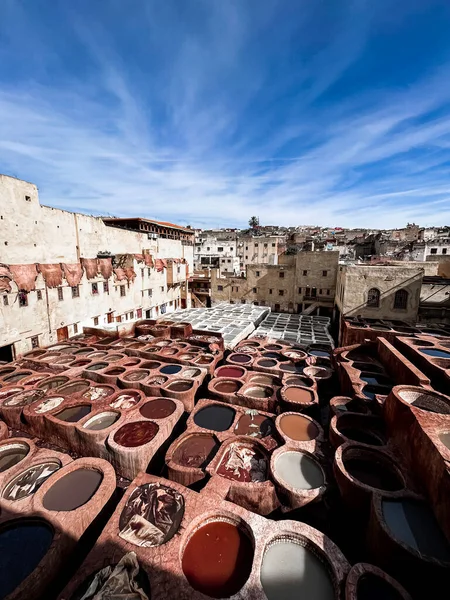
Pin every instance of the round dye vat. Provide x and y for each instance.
(158, 409)
(34, 535)
(215, 417)
(298, 428)
(170, 369)
(231, 372)
(204, 360)
(413, 523)
(152, 515)
(426, 401)
(240, 358)
(74, 388)
(275, 356)
(97, 392)
(290, 571)
(434, 353)
(291, 368)
(115, 357)
(97, 366)
(320, 353)
(254, 425)
(73, 490)
(125, 400)
(227, 387)
(16, 377)
(371, 587)
(29, 481)
(302, 381)
(180, 386)
(52, 382)
(217, 560)
(361, 435)
(268, 363)
(381, 476)
(299, 471)
(263, 379)
(151, 364)
(195, 451)
(49, 404)
(11, 454)
(115, 371)
(73, 414)
(298, 395)
(24, 398)
(8, 393)
(135, 434)
(273, 347)
(259, 392)
(136, 375)
(244, 463)
(101, 421)
(190, 373)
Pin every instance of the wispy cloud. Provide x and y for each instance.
(207, 112)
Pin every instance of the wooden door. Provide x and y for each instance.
(62, 333)
(109, 317)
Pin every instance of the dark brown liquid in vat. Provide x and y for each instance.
(158, 409)
(298, 394)
(73, 414)
(359, 435)
(195, 451)
(73, 490)
(371, 587)
(217, 560)
(241, 358)
(256, 426)
(233, 372)
(227, 387)
(298, 428)
(373, 474)
(135, 434)
(180, 386)
(12, 456)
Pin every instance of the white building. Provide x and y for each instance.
(38, 307)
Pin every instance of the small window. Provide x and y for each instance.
(256, 244)
(198, 248)
(130, 315)
(35, 342)
(324, 273)
(328, 292)
(246, 247)
(229, 260)
(95, 320)
(39, 294)
(75, 291)
(281, 274)
(401, 299)
(208, 248)
(246, 258)
(231, 249)
(148, 272)
(270, 291)
(299, 290)
(75, 328)
(305, 273)
(257, 273)
(106, 287)
(242, 301)
(220, 288)
(60, 294)
(148, 314)
(281, 292)
(444, 250)
(433, 251)
(255, 303)
(162, 288)
(122, 290)
(178, 270)
(320, 291)
(5, 300)
(373, 298)
(265, 245)
(254, 290)
(150, 292)
(220, 249)
(94, 288)
(273, 245)
(28, 198)
(142, 272)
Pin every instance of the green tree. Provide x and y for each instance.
(254, 222)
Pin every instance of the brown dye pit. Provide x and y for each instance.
(11, 454)
(16, 377)
(361, 435)
(73, 490)
(97, 366)
(232, 372)
(115, 357)
(53, 382)
(195, 451)
(180, 386)
(227, 387)
(263, 379)
(101, 421)
(158, 409)
(374, 474)
(74, 388)
(243, 463)
(73, 414)
(267, 363)
(254, 425)
(298, 394)
(204, 360)
(259, 392)
(217, 560)
(115, 371)
(371, 587)
(152, 515)
(136, 375)
(273, 347)
(151, 364)
(240, 358)
(298, 428)
(136, 434)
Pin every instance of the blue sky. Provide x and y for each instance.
(332, 112)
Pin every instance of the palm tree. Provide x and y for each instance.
(254, 222)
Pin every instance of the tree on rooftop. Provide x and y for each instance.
(254, 222)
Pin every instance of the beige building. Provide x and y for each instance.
(380, 291)
(261, 250)
(302, 282)
(38, 303)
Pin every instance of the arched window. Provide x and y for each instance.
(401, 299)
(373, 297)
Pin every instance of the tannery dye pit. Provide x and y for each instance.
(135, 434)
(195, 451)
(215, 417)
(72, 490)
